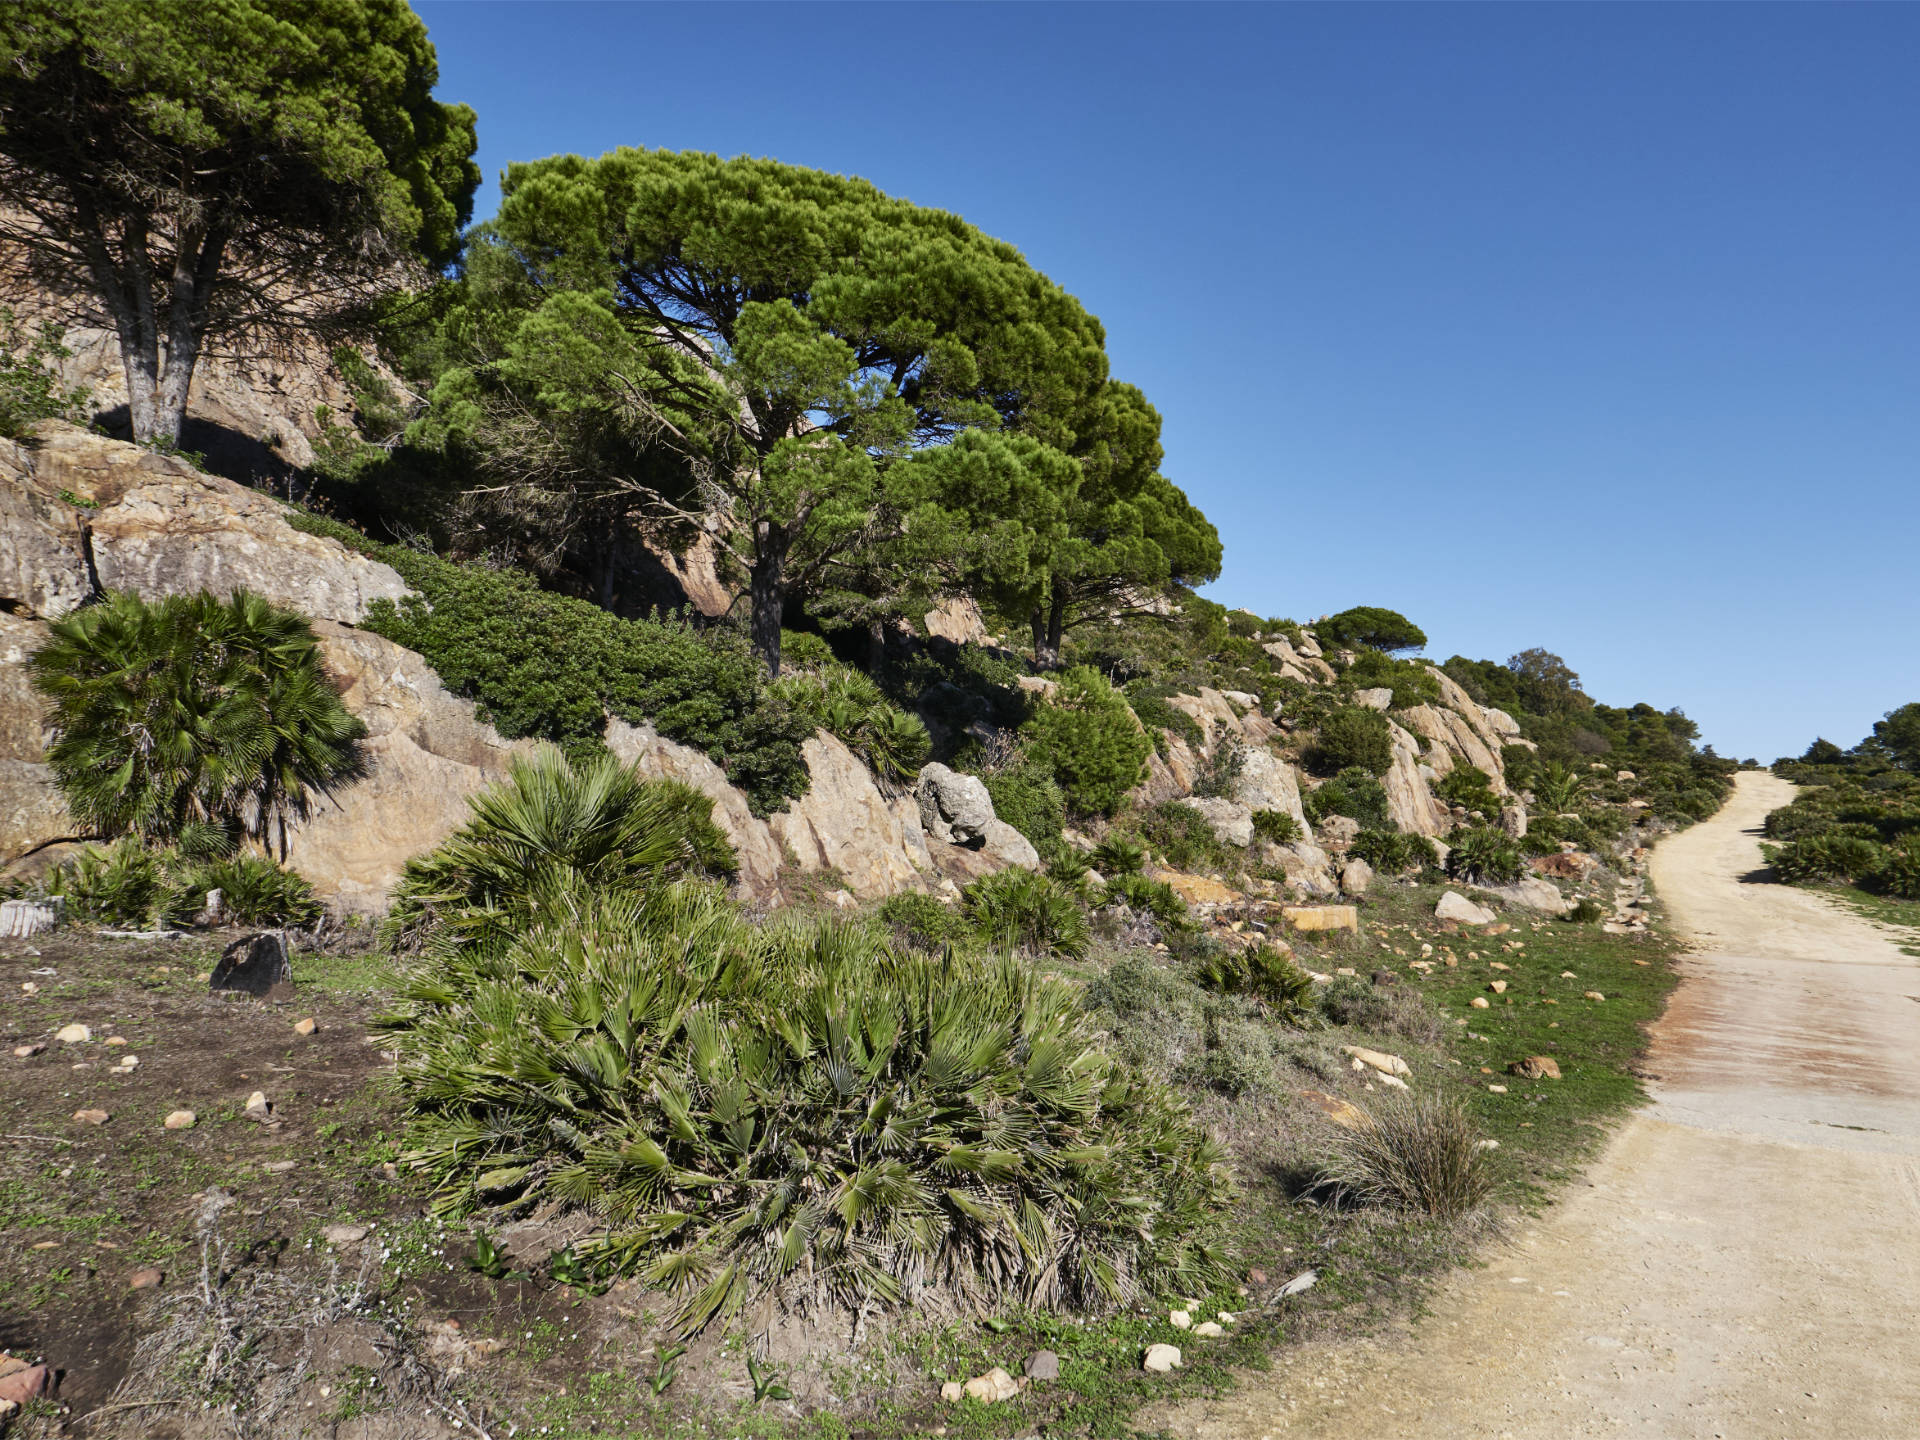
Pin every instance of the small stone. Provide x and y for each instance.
(1496, 1089)
(128, 1062)
(993, 1387)
(115, 1040)
(1536, 1067)
(1227, 1318)
(73, 1034)
(1378, 1060)
(1568, 975)
(1257, 1276)
(344, 1234)
(91, 1117)
(1180, 1319)
(179, 1120)
(1208, 1329)
(146, 1278)
(952, 1391)
(258, 1106)
(28, 987)
(27, 1052)
(1161, 1358)
(1593, 995)
(46, 1245)
(1480, 1002)
(279, 1167)
(305, 1027)
(1498, 987)
(1043, 1365)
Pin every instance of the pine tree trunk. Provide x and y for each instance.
(767, 588)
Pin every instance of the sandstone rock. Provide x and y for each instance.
(1160, 1359)
(1266, 782)
(1496, 1089)
(1536, 1067)
(258, 1106)
(1343, 1113)
(993, 1387)
(1480, 1002)
(1498, 987)
(1593, 995)
(958, 620)
(1180, 1319)
(179, 1120)
(27, 1052)
(1043, 1365)
(344, 1234)
(1208, 1329)
(145, 1278)
(305, 1027)
(43, 565)
(658, 758)
(1462, 910)
(1625, 776)
(1200, 889)
(1378, 1060)
(91, 1117)
(1513, 820)
(1337, 832)
(23, 919)
(1410, 803)
(954, 808)
(953, 1392)
(21, 1382)
(1231, 823)
(1355, 876)
(1378, 698)
(1564, 866)
(1038, 685)
(1321, 917)
(73, 1034)
(1529, 893)
(844, 823)
(255, 965)
(23, 728)
(1503, 725)
(1006, 846)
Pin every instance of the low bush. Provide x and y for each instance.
(1351, 737)
(1421, 1153)
(1411, 684)
(1149, 702)
(253, 891)
(534, 839)
(923, 922)
(30, 386)
(804, 650)
(1585, 911)
(1267, 975)
(1276, 826)
(1025, 796)
(1828, 857)
(1021, 910)
(1556, 788)
(1355, 793)
(1471, 788)
(192, 721)
(1119, 854)
(1899, 871)
(849, 706)
(1148, 897)
(1181, 836)
(1392, 853)
(792, 1110)
(129, 883)
(1088, 737)
(1482, 855)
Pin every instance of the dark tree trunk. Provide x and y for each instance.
(1047, 626)
(876, 646)
(767, 589)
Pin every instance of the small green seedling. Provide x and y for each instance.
(669, 1367)
(766, 1386)
(569, 1268)
(488, 1259)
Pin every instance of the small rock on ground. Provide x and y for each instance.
(180, 1120)
(1043, 1365)
(1161, 1358)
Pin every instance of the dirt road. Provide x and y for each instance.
(1744, 1259)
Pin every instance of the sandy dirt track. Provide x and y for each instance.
(1744, 1259)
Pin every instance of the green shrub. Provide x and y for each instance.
(804, 650)
(1355, 793)
(1026, 797)
(1556, 788)
(1585, 911)
(1149, 702)
(1090, 740)
(192, 721)
(1421, 1153)
(1119, 854)
(1148, 897)
(1181, 836)
(1267, 975)
(1899, 871)
(1828, 857)
(534, 839)
(1019, 909)
(1412, 684)
(30, 385)
(253, 891)
(1483, 856)
(1276, 826)
(922, 921)
(791, 1110)
(848, 705)
(1352, 737)
(1470, 787)
(553, 667)
(125, 883)
(1392, 853)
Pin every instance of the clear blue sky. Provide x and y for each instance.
(1590, 328)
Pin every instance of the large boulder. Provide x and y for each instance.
(1266, 782)
(1462, 911)
(1530, 893)
(33, 814)
(844, 823)
(1231, 823)
(754, 847)
(1410, 802)
(155, 525)
(954, 808)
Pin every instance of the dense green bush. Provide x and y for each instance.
(30, 386)
(549, 666)
(536, 838)
(134, 884)
(1025, 796)
(921, 921)
(192, 720)
(1282, 987)
(1088, 737)
(804, 650)
(1370, 626)
(1352, 737)
(1147, 897)
(1412, 684)
(1899, 872)
(1392, 853)
(1181, 836)
(1828, 857)
(1119, 854)
(1021, 910)
(1149, 702)
(792, 1109)
(1470, 787)
(1277, 826)
(1483, 855)
(1355, 793)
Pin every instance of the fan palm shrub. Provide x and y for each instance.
(253, 890)
(552, 830)
(796, 1108)
(1899, 872)
(1557, 788)
(192, 720)
(1483, 856)
(1022, 910)
(133, 883)
(848, 705)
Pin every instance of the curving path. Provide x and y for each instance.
(1744, 1259)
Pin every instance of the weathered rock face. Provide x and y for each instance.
(22, 712)
(1410, 802)
(1231, 823)
(1462, 910)
(1337, 832)
(656, 757)
(1378, 698)
(1530, 893)
(844, 823)
(43, 564)
(954, 808)
(1355, 876)
(32, 812)
(1266, 782)
(957, 620)
(426, 752)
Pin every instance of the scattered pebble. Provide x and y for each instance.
(305, 1027)
(180, 1120)
(1593, 995)
(1043, 1365)
(115, 1040)
(146, 1278)
(46, 1245)
(73, 1034)
(24, 1052)
(279, 1167)
(1208, 1329)
(258, 1106)
(344, 1234)
(1480, 1002)
(1160, 1359)
(1180, 1320)
(1496, 1089)
(91, 1117)
(27, 987)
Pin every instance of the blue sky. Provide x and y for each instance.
(1586, 327)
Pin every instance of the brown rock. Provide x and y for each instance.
(1321, 917)
(21, 1382)
(147, 1278)
(305, 1027)
(653, 755)
(1535, 1067)
(91, 1117)
(844, 823)
(1200, 889)
(1343, 1113)
(179, 1120)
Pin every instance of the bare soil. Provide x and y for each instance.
(1741, 1261)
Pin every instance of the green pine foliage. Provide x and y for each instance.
(30, 386)
(1027, 797)
(192, 720)
(1471, 787)
(1351, 737)
(1355, 793)
(1089, 738)
(1371, 627)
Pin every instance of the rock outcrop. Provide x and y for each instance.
(754, 846)
(843, 823)
(955, 809)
